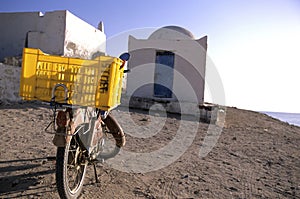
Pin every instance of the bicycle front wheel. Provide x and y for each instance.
(70, 169)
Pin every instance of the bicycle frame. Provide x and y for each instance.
(87, 121)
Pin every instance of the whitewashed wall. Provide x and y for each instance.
(57, 32)
(81, 39)
(9, 82)
(32, 29)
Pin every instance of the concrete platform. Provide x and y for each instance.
(206, 112)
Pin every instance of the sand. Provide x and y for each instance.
(255, 156)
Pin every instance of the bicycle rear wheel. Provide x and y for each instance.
(70, 169)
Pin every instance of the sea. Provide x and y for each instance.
(291, 118)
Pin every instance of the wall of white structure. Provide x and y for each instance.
(9, 82)
(81, 39)
(57, 32)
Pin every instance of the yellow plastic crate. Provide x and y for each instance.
(95, 83)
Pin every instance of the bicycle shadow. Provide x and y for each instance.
(17, 176)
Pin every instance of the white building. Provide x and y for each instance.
(57, 32)
(168, 66)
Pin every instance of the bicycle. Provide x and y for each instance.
(83, 137)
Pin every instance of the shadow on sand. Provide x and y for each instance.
(21, 175)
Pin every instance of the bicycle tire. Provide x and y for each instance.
(66, 162)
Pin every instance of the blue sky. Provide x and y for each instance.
(255, 45)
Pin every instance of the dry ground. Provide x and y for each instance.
(255, 157)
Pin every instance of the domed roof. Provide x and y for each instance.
(171, 33)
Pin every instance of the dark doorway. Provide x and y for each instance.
(164, 74)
